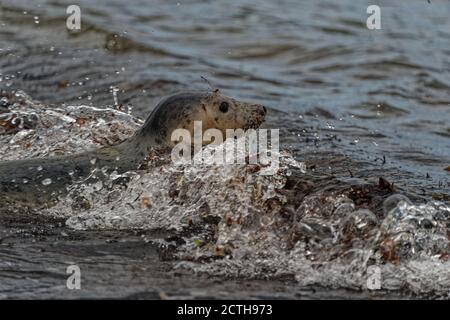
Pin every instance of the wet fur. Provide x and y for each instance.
(21, 181)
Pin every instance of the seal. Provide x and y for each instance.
(37, 182)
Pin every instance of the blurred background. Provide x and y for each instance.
(380, 92)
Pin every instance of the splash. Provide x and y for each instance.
(233, 221)
(30, 129)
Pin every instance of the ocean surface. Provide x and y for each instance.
(353, 105)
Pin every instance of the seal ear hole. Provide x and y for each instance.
(224, 106)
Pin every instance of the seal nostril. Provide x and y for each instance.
(265, 110)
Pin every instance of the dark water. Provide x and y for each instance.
(380, 97)
(386, 92)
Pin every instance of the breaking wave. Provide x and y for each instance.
(233, 221)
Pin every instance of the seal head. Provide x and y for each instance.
(213, 109)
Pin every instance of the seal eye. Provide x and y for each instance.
(224, 107)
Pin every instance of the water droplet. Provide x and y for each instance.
(116, 220)
(46, 181)
(98, 186)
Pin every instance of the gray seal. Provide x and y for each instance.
(38, 182)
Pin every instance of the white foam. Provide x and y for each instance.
(231, 216)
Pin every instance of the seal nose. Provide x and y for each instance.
(265, 110)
